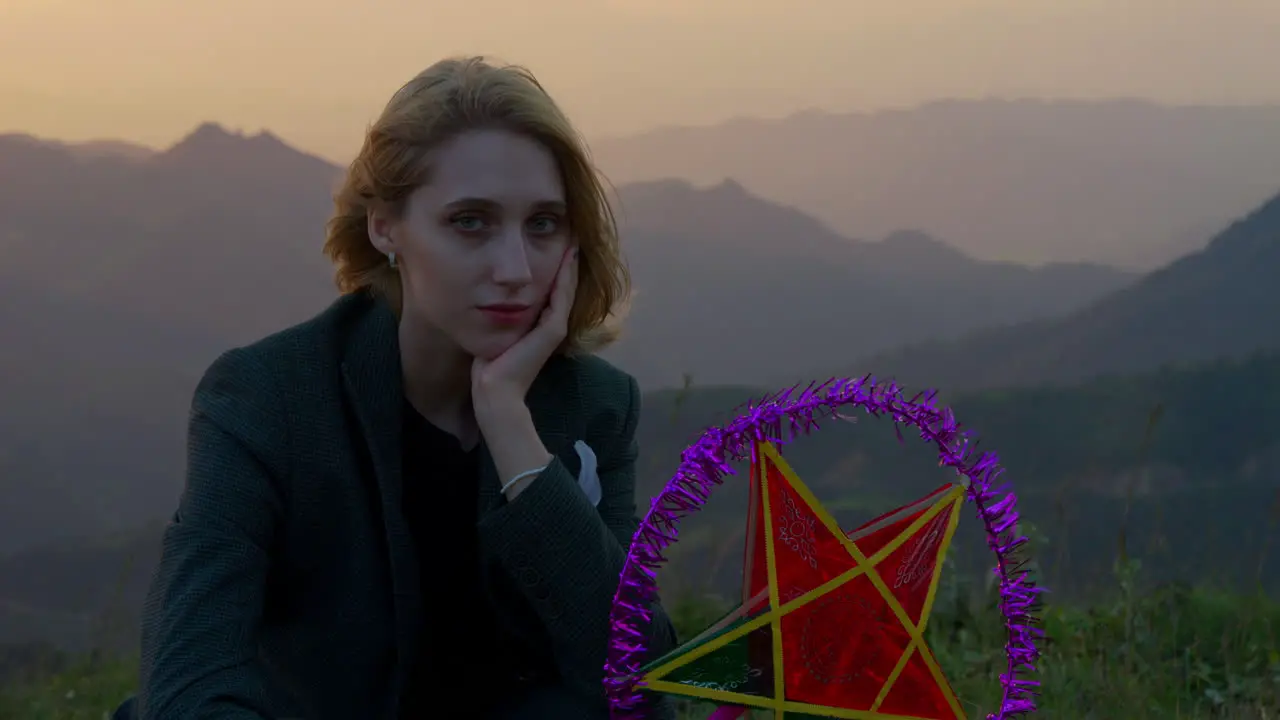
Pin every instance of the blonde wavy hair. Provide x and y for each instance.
(449, 98)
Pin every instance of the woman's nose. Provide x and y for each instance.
(511, 258)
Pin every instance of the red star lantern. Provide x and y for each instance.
(831, 622)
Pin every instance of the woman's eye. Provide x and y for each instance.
(544, 225)
(468, 223)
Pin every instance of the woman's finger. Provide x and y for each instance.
(571, 287)
(561, 305)
(566, 283)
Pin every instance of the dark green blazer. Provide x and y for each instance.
(289, 585)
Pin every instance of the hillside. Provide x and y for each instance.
(1194, 495)
(715, 265)
(1119, 182)
(1222, 301)
(123, 274)
(1194, 454)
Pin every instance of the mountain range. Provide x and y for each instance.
(716, 267)
(1124, 182)
(707, 261)
(1218, 302)
(125, 273)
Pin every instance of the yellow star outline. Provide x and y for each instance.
(952, 500)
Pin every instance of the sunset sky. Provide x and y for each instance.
(315, 71)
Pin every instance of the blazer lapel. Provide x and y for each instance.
(372, 373)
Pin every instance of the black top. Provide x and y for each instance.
(464, 658)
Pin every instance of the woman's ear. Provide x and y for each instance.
(380, 227)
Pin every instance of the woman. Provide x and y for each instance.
(417, 504)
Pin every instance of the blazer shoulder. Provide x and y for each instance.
(319, 340)
(259, 373)
(603, 385)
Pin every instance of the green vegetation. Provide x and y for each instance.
(1186, 459)
(1209, 425)
(1176, 652)
(1173, 653)
(86, 690)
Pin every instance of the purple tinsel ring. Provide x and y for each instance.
(780, 418)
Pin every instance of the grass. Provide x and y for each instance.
(1173, 653)
(87, 690)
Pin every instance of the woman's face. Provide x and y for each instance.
(479, 245)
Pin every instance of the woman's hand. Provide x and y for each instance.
(501, 384)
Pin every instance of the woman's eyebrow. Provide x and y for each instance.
(557, 206)
(472, 202)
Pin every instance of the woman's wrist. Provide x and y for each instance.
(513, 443)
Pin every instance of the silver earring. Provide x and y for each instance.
(391, 258)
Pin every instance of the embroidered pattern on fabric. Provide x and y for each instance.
(745, 677)
(796, 531)
(792, 592)
(922, 555)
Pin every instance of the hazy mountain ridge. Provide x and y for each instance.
(721, 270)
(1221, 301)
(1128, 182)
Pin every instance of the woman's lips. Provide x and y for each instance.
(504, 314)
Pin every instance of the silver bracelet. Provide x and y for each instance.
(520, 477)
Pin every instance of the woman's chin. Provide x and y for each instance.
(493, 344)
